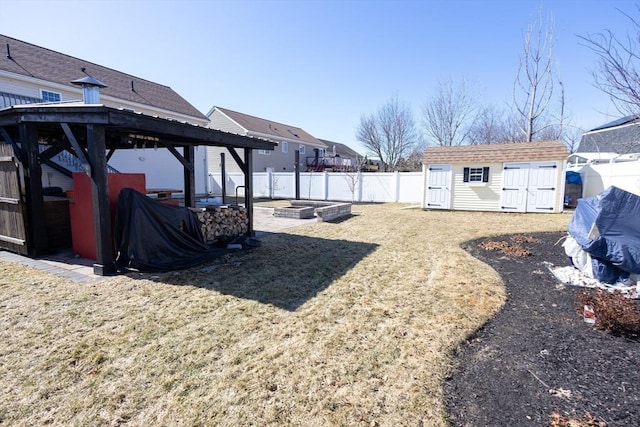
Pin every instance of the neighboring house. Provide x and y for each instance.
(621, 136)
(609, 155)
(337, 157)
(517, 177)
(33, 74)
(282, 159)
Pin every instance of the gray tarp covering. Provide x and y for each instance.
(607, 227)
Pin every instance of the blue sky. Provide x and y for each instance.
(319, 64)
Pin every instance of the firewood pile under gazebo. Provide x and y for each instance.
(222, 221)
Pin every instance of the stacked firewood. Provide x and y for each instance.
(222, 221)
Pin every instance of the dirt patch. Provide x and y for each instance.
(536, 361)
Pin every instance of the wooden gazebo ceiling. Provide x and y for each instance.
(123, 127)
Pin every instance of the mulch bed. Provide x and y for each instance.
(537, 357)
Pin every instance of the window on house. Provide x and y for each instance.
(48, 96)
(285, 146)
(301, 149)
(476, 174)
(265, 152)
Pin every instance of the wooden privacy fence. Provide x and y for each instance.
(13, 236)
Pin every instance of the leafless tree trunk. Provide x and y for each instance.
(449, 116)
(618, 70)
(389, 134)
(353, 176)
(490, 127)
(534, 86)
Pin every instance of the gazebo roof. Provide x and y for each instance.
(122, 125)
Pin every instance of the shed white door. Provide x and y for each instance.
(515, 179)
(542, 187)
(439, 187)
(529, 187)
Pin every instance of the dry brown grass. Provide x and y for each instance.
(351, 323)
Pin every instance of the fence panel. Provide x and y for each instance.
(410, 187)
(403, 187)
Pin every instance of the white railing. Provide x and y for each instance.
(403, 187)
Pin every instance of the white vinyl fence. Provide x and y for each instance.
(359, 187)
(597, 178)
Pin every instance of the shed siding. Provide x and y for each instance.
(470, 197)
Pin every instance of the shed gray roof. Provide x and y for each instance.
(621, 136)
(40, 63)
(277, 131)
(496, 153)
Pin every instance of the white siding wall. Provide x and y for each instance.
(161, 168)
(53, 178)
(21, 86)
(476, 197)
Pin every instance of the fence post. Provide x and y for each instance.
(396, 191)
(359, 187)
(325, 185)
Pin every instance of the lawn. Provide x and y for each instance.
(349, 323)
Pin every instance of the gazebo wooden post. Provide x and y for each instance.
(96, 146)
(189, 177)
(37, 231)
(248, 188)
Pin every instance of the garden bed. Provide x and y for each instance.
(537, 360)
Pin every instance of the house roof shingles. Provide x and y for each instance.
(496, 153)
(40, 63)
(621, 136)
(276, 130)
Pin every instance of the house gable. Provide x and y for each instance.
(264, 128)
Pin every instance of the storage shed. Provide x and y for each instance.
(515, 177)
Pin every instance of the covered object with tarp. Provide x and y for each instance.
(607, 229)
(151, 236)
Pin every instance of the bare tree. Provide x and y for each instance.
(533, 90)
(389, 134)
(449, 116)
(413, 161)
(490, 127)
(353, 176)
(572, 138)
(618, 69)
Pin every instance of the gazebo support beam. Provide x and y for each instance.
(96, 143)
(37, 230)
(189, 177)
(248, 189)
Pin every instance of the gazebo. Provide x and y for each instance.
(93, 132)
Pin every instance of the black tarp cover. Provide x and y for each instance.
(151, 236)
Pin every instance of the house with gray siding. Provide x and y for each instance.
(289, 139)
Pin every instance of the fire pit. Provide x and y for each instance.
(296, 212)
